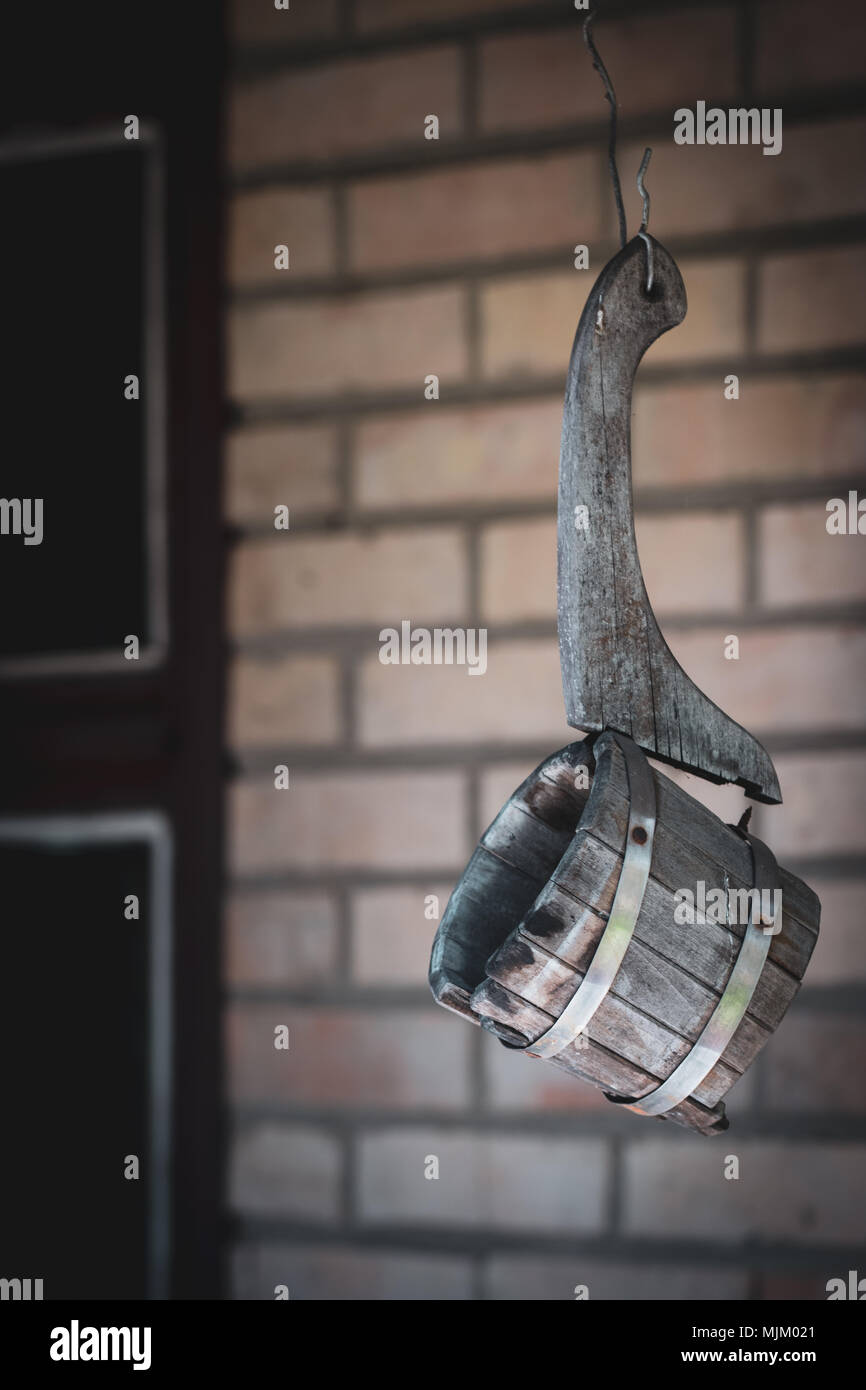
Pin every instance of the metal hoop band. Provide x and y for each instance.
(729, 1012)
(624, 911)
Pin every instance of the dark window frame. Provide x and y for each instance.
(151, 739)
(75, 144)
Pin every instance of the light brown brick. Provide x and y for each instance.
(373, 342)
(294, 466)
(824, 807)
(333, 1273)
(387, 820)
(518, 697)
(522, 1084)
(280, 940)
(390, 1060)
(693, 562)
(391, 936)
(790, 1192)
(800, 562)
(518, 576)
(785, 427)
(840, 955)
(445, 456)
(715, 320)
(305, 581)
(518, 571)
(259, 22)
(798, 48)
(287, 1171)
(278, 701)
(497, 783)
(475, 212)
(818, 1062)
(529, 321)
(812, 299)
(399, 14)
(797, 678)
(323, 111)
(485, 1180)
(547, 78)
(722, 188)
(520, 1278)
(299, 218)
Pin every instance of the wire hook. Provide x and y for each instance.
(611, 96)
(643, 234)
(643, 190)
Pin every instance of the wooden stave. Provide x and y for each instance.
(513, 844)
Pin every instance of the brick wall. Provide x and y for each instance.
(411, 257)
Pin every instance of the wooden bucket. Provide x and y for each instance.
(568, 934)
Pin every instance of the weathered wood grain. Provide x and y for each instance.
(511, 1018)
(523, 925)
(644, 981)
(617, 669)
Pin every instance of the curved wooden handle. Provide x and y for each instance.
(617, 670)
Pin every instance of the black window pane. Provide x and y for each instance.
(75, 1038)
(73, 293)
